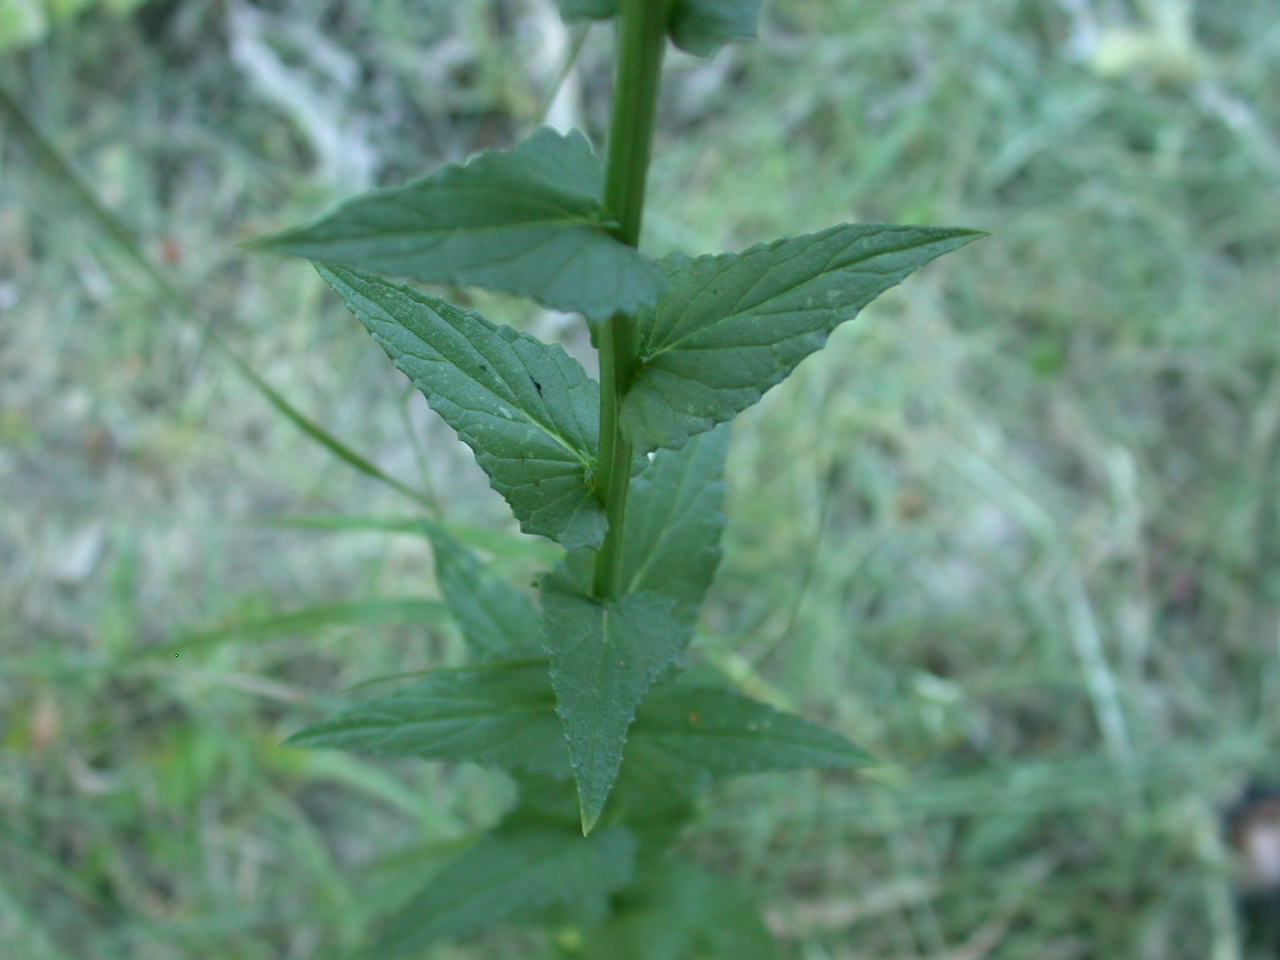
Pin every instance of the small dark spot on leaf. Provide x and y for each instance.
(537, 385)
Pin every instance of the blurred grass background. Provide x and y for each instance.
(1016, 529)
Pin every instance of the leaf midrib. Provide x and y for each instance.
(391, 722)
(593, 223)
(552, 198)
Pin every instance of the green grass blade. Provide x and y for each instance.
(504, 544)
(173, 303)
(365, 612)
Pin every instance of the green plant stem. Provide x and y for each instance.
(641, 42)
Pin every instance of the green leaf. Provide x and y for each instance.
(732, 326)
(724, 734)
(572, 10)
(497, 620)
(526, 408)
(549, 797)
(702, 26)
(679, 912)
(698, 26)
(503, 715)
(516, 869)
(604, 658)
(674, 524)
(527, 221)
(675, 519)
(499, 715)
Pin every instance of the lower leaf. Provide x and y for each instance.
(499, 715)
(516, 869)
(679, 912)
(723, 733)
(504, 715)
(497, 620)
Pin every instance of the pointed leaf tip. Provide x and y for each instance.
(526, 221)
(732, 326)
(604, 658)
(526, 408)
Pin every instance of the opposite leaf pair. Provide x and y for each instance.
(502, 714)
(632, 907)
(715, 332)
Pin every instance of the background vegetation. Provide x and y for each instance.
(1027, 553)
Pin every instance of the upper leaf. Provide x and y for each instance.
(501, 715)
(515, 869)
(527, 221)
(698, 26)
(604, 658)
(732, 326)
(677, 911)
(497, 621)
(675, 518)
(701, 26)
(526, 408)
(724, 733)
